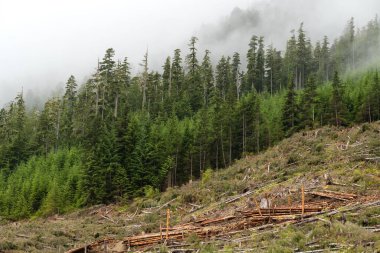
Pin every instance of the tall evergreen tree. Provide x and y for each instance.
(273, 65)
(194, 87)
(290, 59)
(374, 99)
(69, 103)
(290, 111)
(144, 79)
(106, 82)
(207, 78)
(177, 72)
(338, 109)
(236, 74)
(167, 78)
(324, 64)
(251, 63)
(303, 58)
(260, 66)
(308, 104)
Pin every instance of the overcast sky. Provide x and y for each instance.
(43, 42)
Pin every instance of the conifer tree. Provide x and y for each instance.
(290, 111)
(324, 65)
(177, 73)
(290, 59)
(69, 103)
(374, 98)
(302, 58)
(273, 65)
(351, 35)
(120, 87)
(194, 87)
(251, 63)
(207, 77)
(105, 84)
(260, 66)
(308, 104)
(338, 109)
(222, 78)
(144, 79)
(236, 74)
(167, 78)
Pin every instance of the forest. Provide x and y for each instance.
(119, 136)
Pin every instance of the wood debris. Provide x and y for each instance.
(206, 228)
(222, 226)
(334, 195)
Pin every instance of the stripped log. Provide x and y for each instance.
(334, 195)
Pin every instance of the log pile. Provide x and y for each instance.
(222, 226)
(206, 228)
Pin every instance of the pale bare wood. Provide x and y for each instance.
(258, 207)
(167, 223)
(303, 199)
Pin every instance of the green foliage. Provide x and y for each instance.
(43, 185)
(206, 176)
(149, 191)
(290, 117)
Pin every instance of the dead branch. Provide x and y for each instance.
(167, 203)
(233, 199)
(23, 236)
(108, 218)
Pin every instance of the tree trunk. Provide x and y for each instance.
(258, 133)
(204, 160)
(97, 100)
(200, 159)
(369, 112)
(144, 95)
(222, 146)
(217, 156)
(230, 151)
(103, 97)
(175, 168)
(191, 168)
(58, 129)
(271, 82)
(116, 105)
(243, 133)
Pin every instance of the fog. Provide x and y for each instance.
(43, 42)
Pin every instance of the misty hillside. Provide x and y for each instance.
(119, 134)
(180, 134)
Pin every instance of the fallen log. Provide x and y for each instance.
(233, 199)
(167, 203)
(206, 222)
(338, 196)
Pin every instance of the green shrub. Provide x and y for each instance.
(4, 246)
(206, 176)
(150, 191)
(293, 158)
(318, 148)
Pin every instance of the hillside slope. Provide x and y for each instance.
(323, 161)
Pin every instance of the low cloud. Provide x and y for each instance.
(45, 42)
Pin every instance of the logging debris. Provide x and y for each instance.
(221, 228)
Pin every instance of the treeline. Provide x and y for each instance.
(156, 130)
